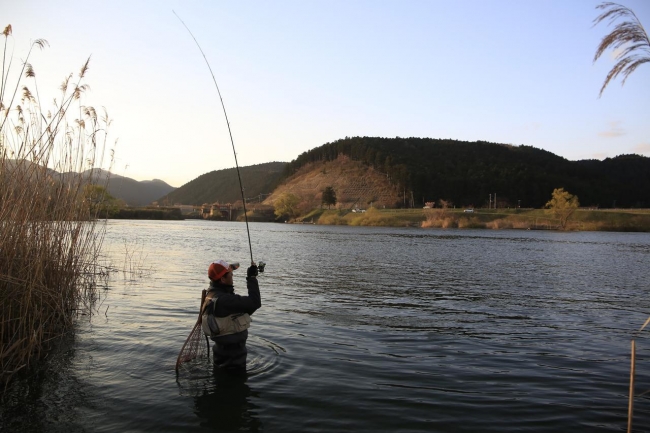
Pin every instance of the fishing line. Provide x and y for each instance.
(241, 187)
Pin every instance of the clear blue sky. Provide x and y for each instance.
(297, 74)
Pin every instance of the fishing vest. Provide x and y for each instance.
(214, 326)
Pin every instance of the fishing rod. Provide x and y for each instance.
(241, 186)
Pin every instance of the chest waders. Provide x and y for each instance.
(214, 326)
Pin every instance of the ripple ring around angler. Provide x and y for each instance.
(263, 356)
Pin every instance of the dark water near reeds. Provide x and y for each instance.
(361, 329)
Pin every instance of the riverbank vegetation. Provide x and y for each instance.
(561, 213)
(633, 220)
(49, 239)
(147, 213)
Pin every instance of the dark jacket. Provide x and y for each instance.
(230, 303)
(230, 350)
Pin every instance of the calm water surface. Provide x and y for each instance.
(361, 329)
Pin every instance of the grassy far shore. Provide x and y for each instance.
(632, 220)
(621, 220)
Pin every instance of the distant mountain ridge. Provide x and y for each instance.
(133, 192)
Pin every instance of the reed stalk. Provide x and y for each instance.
(630, 406)
(49, 237)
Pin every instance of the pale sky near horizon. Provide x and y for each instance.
(297, 74)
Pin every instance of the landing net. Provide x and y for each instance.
(196, 345)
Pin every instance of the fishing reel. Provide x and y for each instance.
(260, 266)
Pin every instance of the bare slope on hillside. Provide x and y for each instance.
(353, 182)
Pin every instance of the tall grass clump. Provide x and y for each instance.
(373, 217)
(439, 218)
(499, 224)
(470, 223)
(332, 218)
(49, 240)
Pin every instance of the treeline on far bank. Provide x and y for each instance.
(146, 214)
(470, 173)
(172, 213)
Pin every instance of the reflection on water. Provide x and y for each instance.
(363, 329)
(42, 400)
(223, 400)
(226, 402)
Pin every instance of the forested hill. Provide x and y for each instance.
(466, 173)
(223, 185)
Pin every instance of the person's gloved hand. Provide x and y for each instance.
(252, 271)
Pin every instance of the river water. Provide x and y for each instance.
(361, 329)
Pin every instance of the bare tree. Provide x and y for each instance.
(628, 39)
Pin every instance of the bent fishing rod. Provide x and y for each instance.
(241, 186)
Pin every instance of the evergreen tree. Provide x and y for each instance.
(329, 197)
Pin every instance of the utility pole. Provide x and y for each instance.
(490, 201)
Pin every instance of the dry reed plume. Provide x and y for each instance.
(631, 41)
(49, 241)
(628, 39)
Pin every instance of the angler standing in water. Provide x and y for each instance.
(226, 316)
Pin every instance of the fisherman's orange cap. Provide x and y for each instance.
(219, 268)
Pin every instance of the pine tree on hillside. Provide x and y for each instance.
(329, 197)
